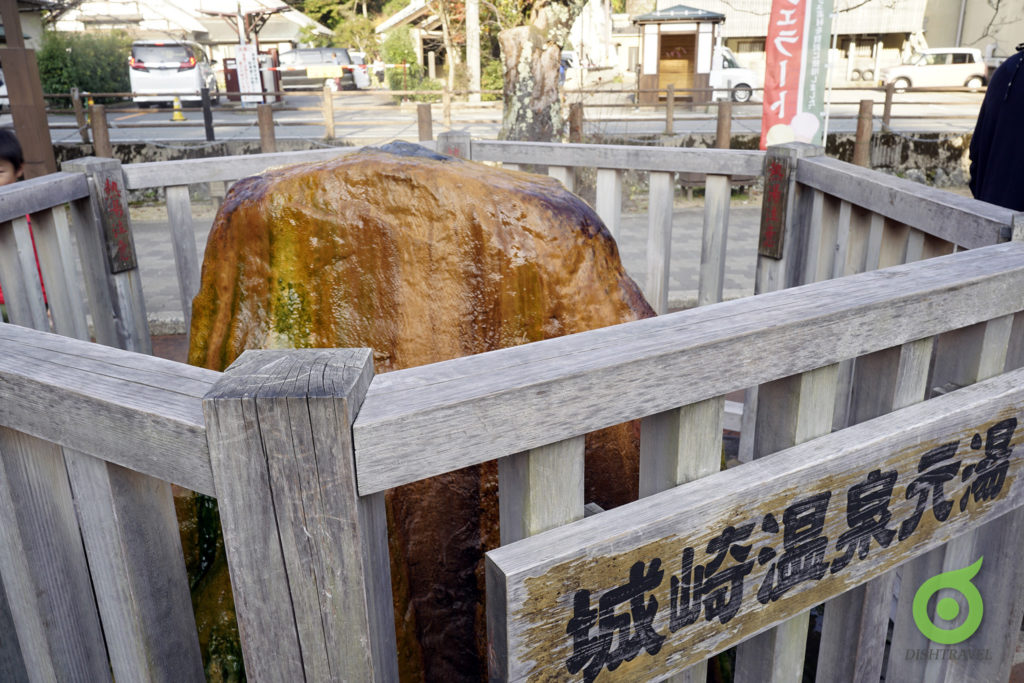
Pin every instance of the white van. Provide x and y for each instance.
(159, 69)
(938, 67)
(729, 79)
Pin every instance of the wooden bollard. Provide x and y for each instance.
(100, 133)
(862, 143)
(576, 122)
(670, 107)
(80, 120)
(424, 121)
(723, 134)
(265, 118)
(328, 112)
(890, 88)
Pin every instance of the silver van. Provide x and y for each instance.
(159, 69)
(316, 67)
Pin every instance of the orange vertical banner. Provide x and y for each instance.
(796, 59)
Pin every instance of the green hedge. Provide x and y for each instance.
(92, 62)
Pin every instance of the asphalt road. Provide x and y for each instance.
(373, 116)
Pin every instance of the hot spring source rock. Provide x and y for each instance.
(423, 258)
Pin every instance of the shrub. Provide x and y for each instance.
(92, 62)
(492, 77)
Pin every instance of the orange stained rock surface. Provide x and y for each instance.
(423, 258)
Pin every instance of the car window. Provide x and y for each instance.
(160, 53)
(962, 58)
(937, 59)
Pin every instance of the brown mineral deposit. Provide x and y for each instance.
(423, 258)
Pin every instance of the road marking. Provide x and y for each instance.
(130, 116)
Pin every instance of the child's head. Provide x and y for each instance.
(11, 159)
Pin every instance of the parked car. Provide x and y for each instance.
(316, 67)
(938, 67)
(5, 103)
(359, 70)
(160, 68)
(729, 79)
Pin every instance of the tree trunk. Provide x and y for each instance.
(531, 56)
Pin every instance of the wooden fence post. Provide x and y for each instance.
(207, 114)
(424, 122)
(723, 133)
(100, 133)
(786, 213)
(890, 88)
(308, 555)
(454, 143)
(670, 106)
(103, 230)
(80, 120)
(265, 118)
(328, 112)
(576, 122)
(862, 143)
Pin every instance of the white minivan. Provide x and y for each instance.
(938, 67)
(729, 79)
(161, 69)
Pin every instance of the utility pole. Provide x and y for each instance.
(25, 92)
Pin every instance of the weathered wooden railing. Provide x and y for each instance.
(300, 446)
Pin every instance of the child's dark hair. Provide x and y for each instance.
(10, 148)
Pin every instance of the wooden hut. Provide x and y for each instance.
(676, 46)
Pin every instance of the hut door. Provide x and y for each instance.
(677, 58)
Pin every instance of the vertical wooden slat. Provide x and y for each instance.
(131, 538)
(93, 260)
(915, 246)
(791, 410)
(895, 238)
(19, 277)
(815, 238)
(842, 243)
(183, 239)
(856, 622)
(678, 446)
(540, 489)
(717, 194)
(308, 555)
(802, 210)
(64, 296)
(563, 174)
(107, 214)
(876, 232)
(975, 354)
(659, 239)
(12, 666)
(609, 199)
(44, 569)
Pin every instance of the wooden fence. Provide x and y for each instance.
(854, 405)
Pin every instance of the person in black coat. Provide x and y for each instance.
(997, 148)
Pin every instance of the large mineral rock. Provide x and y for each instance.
(423, 258)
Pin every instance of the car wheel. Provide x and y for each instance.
(901, 84)
(331, 84)
(868, 75)
(741, 93)
(974, 82)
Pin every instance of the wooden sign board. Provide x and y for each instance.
(778, 169)
(650, 588)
